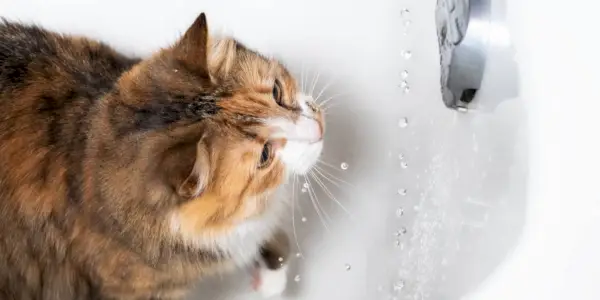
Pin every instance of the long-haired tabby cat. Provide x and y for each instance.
(127, 178)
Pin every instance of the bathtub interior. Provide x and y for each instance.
(433, 199)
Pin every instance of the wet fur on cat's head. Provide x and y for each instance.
(197, 137)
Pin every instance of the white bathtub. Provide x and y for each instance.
(497, 204)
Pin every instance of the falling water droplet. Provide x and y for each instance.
(306, 185)
(416, 208)
(344, 166)
(400, 156)
(405, 13)
(407, 54)
(404, 74)
(404, 86)
(404, 165)
(399, 212)
(398, 285)
(280, 259)
(297, 278)
(402, 231)
(298, 254)
(348, 267)
(398, 244)
(403, 123)
(303, 219)
(402, 192)
(407, 23)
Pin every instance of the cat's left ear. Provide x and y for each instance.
(192, 48)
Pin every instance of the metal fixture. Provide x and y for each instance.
(463, 28)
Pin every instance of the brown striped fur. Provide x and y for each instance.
(99, 153)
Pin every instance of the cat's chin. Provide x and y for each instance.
(300, 157)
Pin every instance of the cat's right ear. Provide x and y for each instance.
(192, 48)
(197, 180)
(187, 169)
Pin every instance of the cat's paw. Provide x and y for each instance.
(270, 283)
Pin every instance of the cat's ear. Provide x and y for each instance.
(192, 48)
(187, 169)
(222, 54)
(197, 180)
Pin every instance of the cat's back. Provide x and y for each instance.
(31, 55)
(49, 84)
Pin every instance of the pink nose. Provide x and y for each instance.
(315, 132)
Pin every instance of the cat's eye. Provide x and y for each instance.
(278, 92)
(266, 156)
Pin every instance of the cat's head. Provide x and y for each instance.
(221, 127)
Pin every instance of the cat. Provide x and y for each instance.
(129, 178)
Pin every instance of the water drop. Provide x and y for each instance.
(297, 278)
(402, 192)
(407, 23)
(280, 259)
(398, 244)
(344, 166)
(404, 74)
(416, 208)
(348, 267)
(399, 212)
(404, 165)
(401, 156)
(304, 190)
(404, 86)
(398, 285)
(303, 219)
(306, 185)
(405, 13)
(407, 54)
(402, 231)
(403, 123)
(298, 254)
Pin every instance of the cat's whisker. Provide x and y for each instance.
(322, 104)
(332, 177)
(314, 83)
(316, 206)
(294, 213)
(337, 184)
(325, 87)
(322, 162)
(313, 191)
(302, 74)
(329, 193)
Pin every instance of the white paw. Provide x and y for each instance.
(272, 282)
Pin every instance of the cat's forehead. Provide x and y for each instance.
(255, 67)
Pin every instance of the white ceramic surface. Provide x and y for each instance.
(466, 178)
